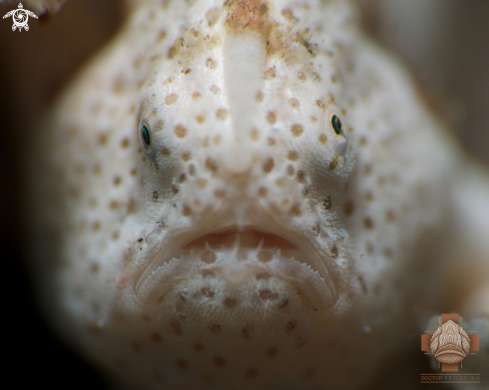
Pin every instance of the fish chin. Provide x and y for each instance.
(247, 266)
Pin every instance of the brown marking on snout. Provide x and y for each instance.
(245, 15)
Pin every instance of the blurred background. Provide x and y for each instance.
(444, 43)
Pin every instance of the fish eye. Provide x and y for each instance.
(336, 123)
(144, 136)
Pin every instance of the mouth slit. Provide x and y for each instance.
(248, 238)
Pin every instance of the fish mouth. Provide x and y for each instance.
(238, 254)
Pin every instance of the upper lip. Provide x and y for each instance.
(302, 264)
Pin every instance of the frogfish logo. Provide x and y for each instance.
(450, 344)
(20, 17)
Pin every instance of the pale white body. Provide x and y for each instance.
(248, 243)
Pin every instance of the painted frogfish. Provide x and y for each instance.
(250, 194)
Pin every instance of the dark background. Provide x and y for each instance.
(452, 67)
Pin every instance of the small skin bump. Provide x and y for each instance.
(323, 139)
(125, 143)
(211, 165)
(196, 95)
(268, 295)
(291, 326)
(219, 361)
(271, 141)
(117, 181)
(113, 205)
(207, 292)
(301, 176)
(186, 211)
(200, 118)
(290, 170)
(259, 97)
(296, 130)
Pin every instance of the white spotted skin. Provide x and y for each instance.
(248, 243)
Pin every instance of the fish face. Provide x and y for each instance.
(219, 192)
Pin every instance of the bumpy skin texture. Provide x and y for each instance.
(243, 241)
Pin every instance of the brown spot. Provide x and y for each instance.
(368, 223)
(207, 292)
(125, 143)
(284, 304)
(219, 361)
(327, 203)
(301, 176)
(156, 195)
(154, 112)
(211, 165)
(251, 373)
(294, 103)
(186, 156)
(388, 252)
(207, 379)
(222, 114)
(198, 346)
(117, 181)
(313, 119)
(176, 328)
(259, 97)
(186, 71)
(334, 163)
(369, 248)
(262, 275)
(323, 139)
(217, 140)
(363, 141)
(103, 139)
(247, 332)
(214, 89)
(191, 169)
(291, 326)
(254, 134)
(301, 76)
(349, 208)
(295, 210)
(196, 95)
(288, 14)
(171, 99)
(262, 192)
(334, 252)
(202, 183)
(96, 226)
(113, 205)
(268, 295)
(219, 194)
(208, 257)
(210, 63)
(296, 130)
(309, 374)
(116, 235)
(390, 216)
(230, 302)
(271, 352)
(174, 190)
(271, 141)
(270, 73)
(214, 328)
(293, 155)
(369, 196)
(156, 337)
(186, 211)
(264, 256)
(94, 268)
(182, 178)
(180, 131)
(268, 165)
(200, 118)
(134, 172)
(290, 170)
(367, 169)
(212, 16)
(271, 117)
(182, 364)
